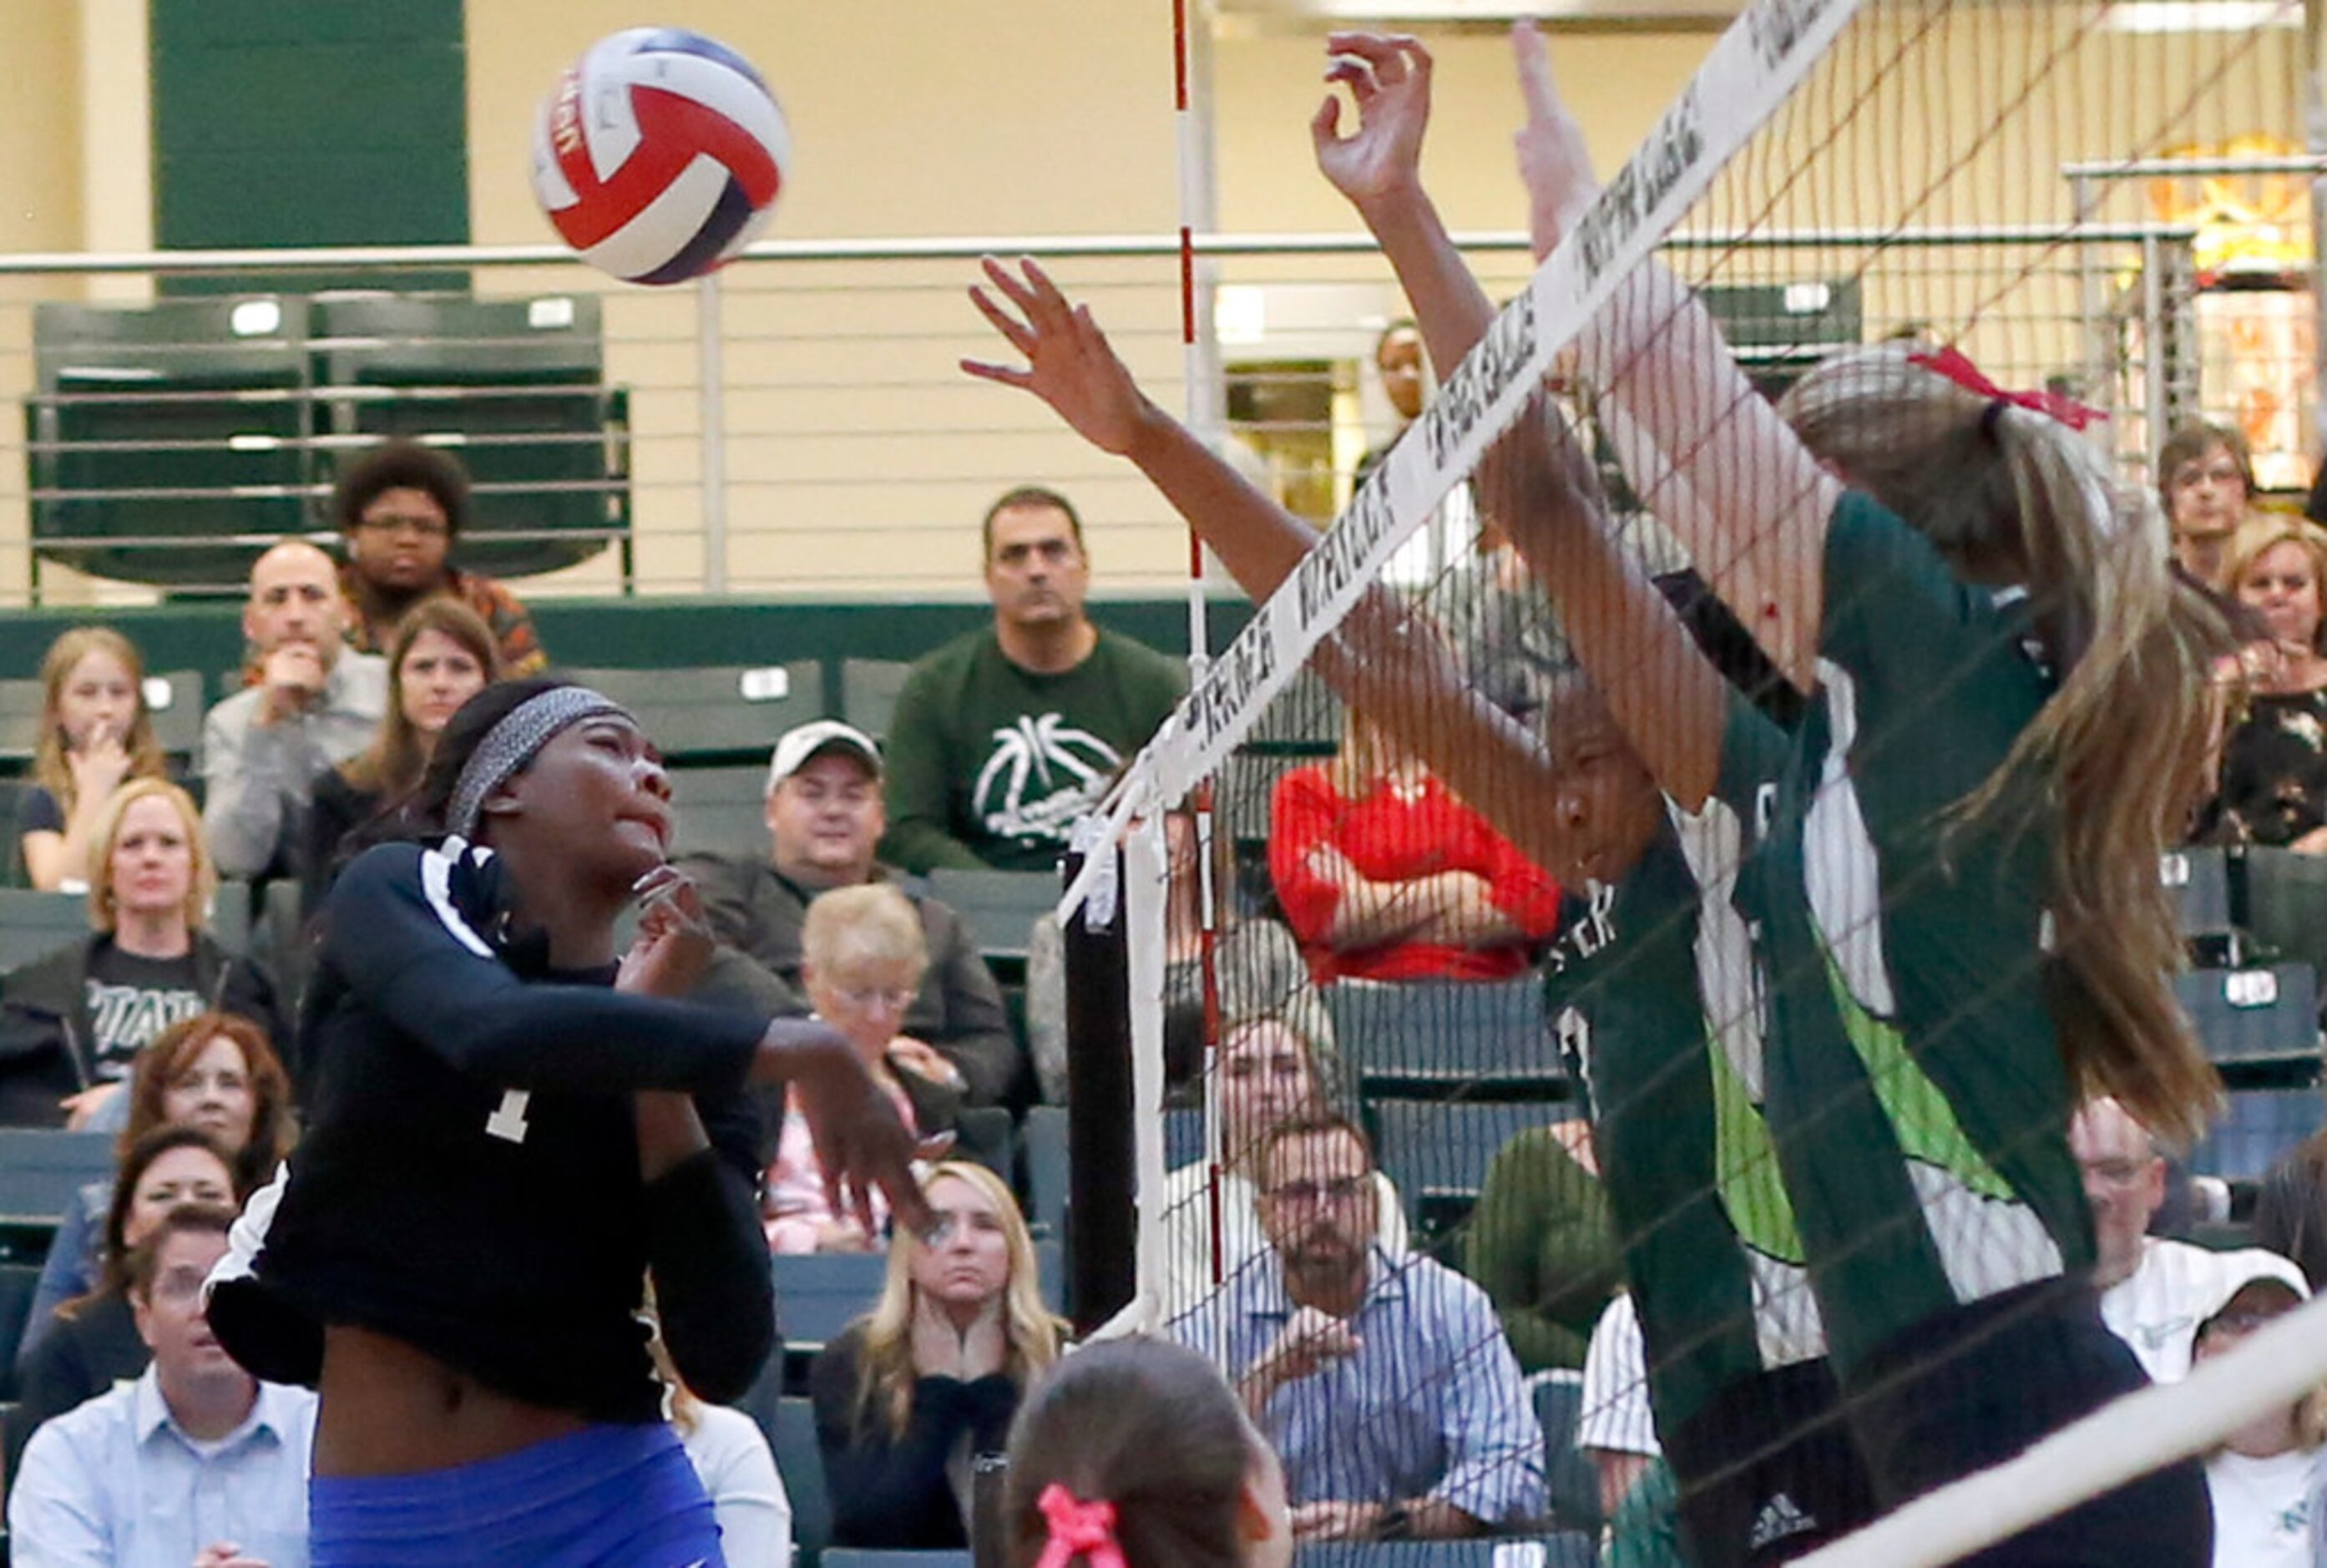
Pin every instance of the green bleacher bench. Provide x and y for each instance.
(998, 907)
(720, 810)
(168, 444)
(730, 713)
(868, 693)
(33, 925)
(1437, 1152)
(43, 1169)
(1432, 1039)
(2259, 1013)
(516, 387)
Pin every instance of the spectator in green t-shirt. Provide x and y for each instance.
(1004, 736)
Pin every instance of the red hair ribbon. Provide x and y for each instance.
(1951, 363)
(1078, 1529)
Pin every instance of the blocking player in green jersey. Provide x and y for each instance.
(2013, 710)
(1646, 780)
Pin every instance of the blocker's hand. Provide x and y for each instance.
(1554, 160)
(1069, 364)
(859, 1140)
(1387, 76)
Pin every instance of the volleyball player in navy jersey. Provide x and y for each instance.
(510, 1133)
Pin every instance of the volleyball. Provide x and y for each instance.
(660, 154)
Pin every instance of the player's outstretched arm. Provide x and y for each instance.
(1537, 483)
(1751, 503)
(1385, 659)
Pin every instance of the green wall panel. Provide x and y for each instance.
(309, 122)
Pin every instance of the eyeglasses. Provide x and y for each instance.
(1310, 1194)
(419, 527)
(898, 997)
(2244, 1322)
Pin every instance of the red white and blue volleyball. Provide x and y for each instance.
(660, 154)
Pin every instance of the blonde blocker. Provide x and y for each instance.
(885, 1366)
(2010, 496)
(50, 768)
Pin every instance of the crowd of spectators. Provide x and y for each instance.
(1391, 1386)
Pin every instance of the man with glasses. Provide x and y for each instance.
(310, 703)
(1384, 1382)
(823, 815)
(400, 508)
(2155, 1291)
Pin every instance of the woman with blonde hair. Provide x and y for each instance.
(910, 1395)
(95, 734)
(2272, 787)
(72, 1024)
(443, 655)
(863, 955)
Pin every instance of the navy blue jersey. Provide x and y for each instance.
(469, 1181)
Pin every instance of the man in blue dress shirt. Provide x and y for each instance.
(1384, 1382)
(195, 1463)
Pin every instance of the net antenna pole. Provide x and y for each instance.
(1100, 1258)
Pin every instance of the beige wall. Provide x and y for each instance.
(859, 457)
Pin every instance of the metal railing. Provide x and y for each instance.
(796, 425)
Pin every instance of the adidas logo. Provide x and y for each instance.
(1779, 1518)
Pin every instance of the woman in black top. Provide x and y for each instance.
(910, 1396)
(509, 1134)
(72, 1023)
(443, 655)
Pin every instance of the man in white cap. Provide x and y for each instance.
(2155, 1291)
(824, 816)
(2265, 1479)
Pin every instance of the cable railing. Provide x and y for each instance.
(798, 425)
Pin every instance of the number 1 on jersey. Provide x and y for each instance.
(508, 1120)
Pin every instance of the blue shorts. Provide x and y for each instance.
(608, 1497)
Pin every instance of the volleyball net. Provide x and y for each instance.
(1393, 855)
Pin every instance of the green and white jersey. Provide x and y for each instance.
(1658, 991)
(1928, 1158)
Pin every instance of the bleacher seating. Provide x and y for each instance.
(1571, 1479)
(819, 1293)
(2198, 878)
(1437, 1152)
(868, 693)
(792, 1439)
(2258, 1127)
(165, 444)
(1042, 1143)
(42, 1169)
(2283, 897)
(720, 810)
(519, 382)
(998, 907)
(1430, 1039)
(715, 713)
(2255, 1014)
(35, 924)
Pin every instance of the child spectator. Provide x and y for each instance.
(95, 736)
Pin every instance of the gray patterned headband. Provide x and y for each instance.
(511, 745)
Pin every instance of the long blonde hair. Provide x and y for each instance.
(2011, 496)
(50, 768)
(2263, 532)
(885, 1368)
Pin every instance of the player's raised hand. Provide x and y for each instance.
(1387, 76)
(673, 946)
(1554, 160)
(1069, 364)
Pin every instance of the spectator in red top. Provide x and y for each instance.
(1386, 875)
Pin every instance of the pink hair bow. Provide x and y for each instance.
(1078, 1529)
(1951, 363)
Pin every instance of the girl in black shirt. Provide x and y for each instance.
(509, 1134)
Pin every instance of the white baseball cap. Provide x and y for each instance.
(800, 744)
